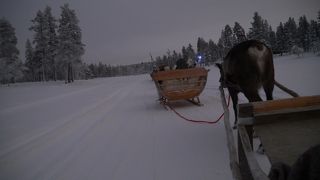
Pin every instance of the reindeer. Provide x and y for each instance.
(247, 67)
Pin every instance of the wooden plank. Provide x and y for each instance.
(245, 121)
(245, 110)
(181, 95)
(243, 160)
(267, 106)
(256, 172)
(250, 109)
(177, 85)
(179, 73)
(234, 164)
(296, 114)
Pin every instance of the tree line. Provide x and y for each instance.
(54, 53)
(303, 34)
(56, 48)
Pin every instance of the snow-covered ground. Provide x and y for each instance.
(114, 129)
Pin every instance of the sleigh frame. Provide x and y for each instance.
(181, 84)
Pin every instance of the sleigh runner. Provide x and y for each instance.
(181, 84)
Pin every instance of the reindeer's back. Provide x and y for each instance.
(249, 64)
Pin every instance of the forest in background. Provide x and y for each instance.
(55, 50)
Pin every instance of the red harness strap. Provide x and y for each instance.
(198, 121)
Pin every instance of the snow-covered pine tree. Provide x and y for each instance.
(203, 50)
(31, 65)
(100, 70)
(40, 43)
(227, 38)
(221, 44)
(221, 49)
(10, 64)
(281, 40)
(260, 29)
(318, 35)
(303, 33)
(165, 60)
(272, 39)
(239, 33)
(290, 29)
(45, 43)
(170, 60)
(265, 32)
(226, 41)
(70, 48)
(190, 51)
(256, 31)
(184, 52)
(86, 72)
(314, 36)
(213, 51)
(175, 56)
(50, 27)
(202, 45)
(318, 22)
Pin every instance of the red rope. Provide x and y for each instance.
(198, 121)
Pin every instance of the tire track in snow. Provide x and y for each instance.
(19, 125)
(138, 159)
(62, 122)
(64, 160)
(76, 126)
(108, 156)
(47, 100)
(90, 146)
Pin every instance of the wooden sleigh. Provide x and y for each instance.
(181, 84)
(286, 128)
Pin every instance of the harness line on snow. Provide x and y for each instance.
(197, 121)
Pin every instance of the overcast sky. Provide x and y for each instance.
(126, 31)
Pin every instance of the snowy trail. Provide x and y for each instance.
(44, 101)
(113, 128)
(61, 122)
(58, 138)
(93, 139)
(41, 119)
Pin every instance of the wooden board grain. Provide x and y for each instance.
(278, 106)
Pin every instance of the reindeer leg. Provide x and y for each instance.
(268, 89)
(252, 95)
(234, 96)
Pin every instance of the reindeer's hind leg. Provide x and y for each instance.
(234, 96)
(252, 95)
(268, 89)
